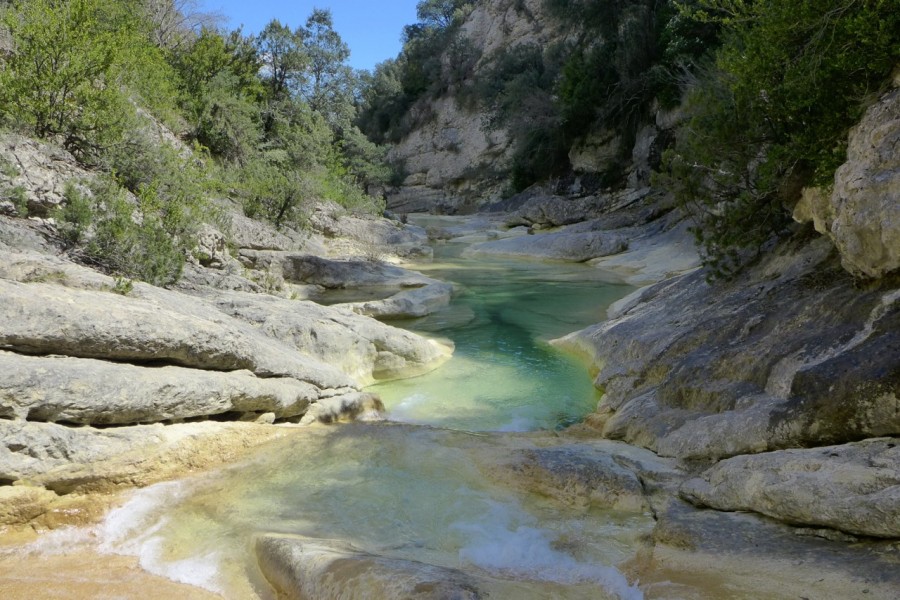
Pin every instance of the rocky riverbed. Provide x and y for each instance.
(753, 423)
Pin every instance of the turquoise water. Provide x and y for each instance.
(431, 489)
(504, 376)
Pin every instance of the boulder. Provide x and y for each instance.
(41, 318)
(862, 214)
(301, 568)
(416, 302)
(854, 488)
(598, 474)
(95, 392)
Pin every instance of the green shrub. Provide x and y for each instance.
(772, 114)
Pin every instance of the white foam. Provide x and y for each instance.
(133, 530)
(499, 543)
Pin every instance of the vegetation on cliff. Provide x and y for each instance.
(269, 117)
(768, 91)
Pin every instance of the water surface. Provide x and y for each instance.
(429, 489)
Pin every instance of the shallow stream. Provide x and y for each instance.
(429, 484)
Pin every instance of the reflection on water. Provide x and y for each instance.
(503, 375)
(413, 492)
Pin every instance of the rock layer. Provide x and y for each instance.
(853, 488)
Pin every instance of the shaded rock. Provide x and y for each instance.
(699, 371)
(305, 568)
(332, 274)
(853, 488)
(571, 247)
(21, 504)
(259, 235)
(363, 348)
(40, 318)
(86, 391)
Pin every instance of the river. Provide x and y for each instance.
(429, 484)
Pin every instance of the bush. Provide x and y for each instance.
(772, 114)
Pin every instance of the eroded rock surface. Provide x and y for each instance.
(694, 371)
(853, 488)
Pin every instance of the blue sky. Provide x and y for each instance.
(371, 28)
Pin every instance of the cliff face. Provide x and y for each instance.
(451, 159)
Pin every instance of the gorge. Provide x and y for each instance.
(540, 372)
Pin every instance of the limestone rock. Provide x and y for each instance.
(327, 569)
(93, 392)
(601, 474)
(359, 406)
(417, 302)
(571, 247)
(40, 170)
(746, 555)
(853, 488)
(792, 354)
(21, 504)
(363, 348)
(40, 318)
(84, 459)
(866, 197)
(862, 214)
(332, 274)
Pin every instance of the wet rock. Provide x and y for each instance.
(571, 247)
(599, 474)
(21, 504)
(85, 459)
(854, 488)
(328, 569)
(746, 555)
(359, 406)
(94, 392)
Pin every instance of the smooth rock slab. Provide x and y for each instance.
(360, 346)
(326, 569)
(853, 488)
(40, 318)
(94, 392)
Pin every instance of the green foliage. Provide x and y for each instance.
(76, 214)
(398, 87)
(63, 79)
(772, 114)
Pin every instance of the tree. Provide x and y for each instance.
(63, 78)
(284, 58)
(329, 86)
